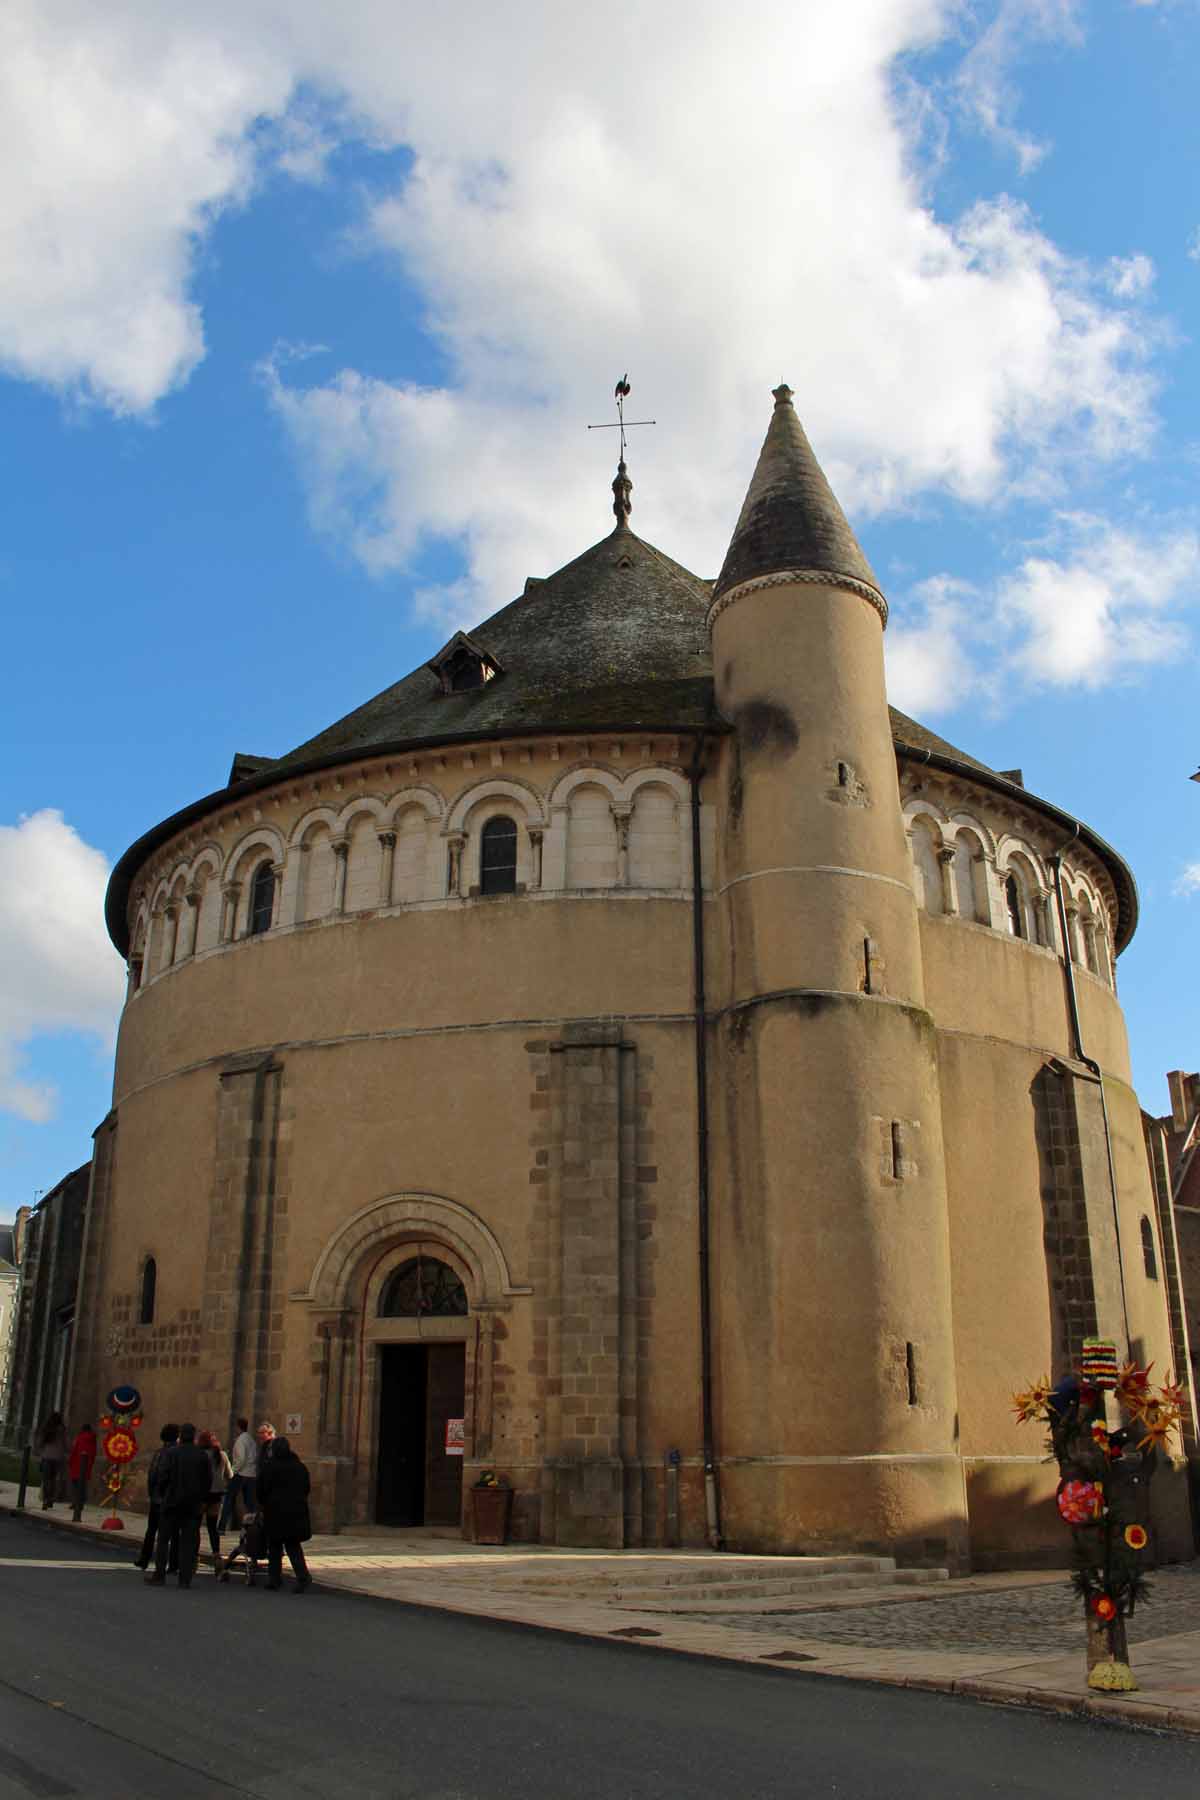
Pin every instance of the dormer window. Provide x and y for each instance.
(463, 664)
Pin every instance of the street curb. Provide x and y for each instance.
(1131, 1715)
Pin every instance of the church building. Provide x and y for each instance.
(626, 1056)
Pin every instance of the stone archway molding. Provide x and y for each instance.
(411, 1215)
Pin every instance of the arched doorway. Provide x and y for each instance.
(350, 1334)
(421, 1384)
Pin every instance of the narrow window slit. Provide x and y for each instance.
(910, 1370)
(897, 1150)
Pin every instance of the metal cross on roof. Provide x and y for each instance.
(621, 423)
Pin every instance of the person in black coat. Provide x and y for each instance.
(283, 1488)
(185, 1475)
(169, 1436)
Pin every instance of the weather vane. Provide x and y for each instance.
(622, 486)
(621, 423)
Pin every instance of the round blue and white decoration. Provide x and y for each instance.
(124, 1399)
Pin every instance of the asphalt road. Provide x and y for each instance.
(109, 1688)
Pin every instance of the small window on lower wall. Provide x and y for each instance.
(1149, 1254)
(148, 1293)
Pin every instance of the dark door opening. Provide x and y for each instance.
(420, 1387)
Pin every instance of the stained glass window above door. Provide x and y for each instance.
(423, 1288)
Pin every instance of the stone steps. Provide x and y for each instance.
(694, 1583)
(771, 1596)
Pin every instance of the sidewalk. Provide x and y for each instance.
(940, 1641)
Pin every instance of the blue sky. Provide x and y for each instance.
(310, 315)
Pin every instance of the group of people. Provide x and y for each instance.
(191, 1480)
(65, 1469)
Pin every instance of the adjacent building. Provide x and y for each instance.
(49, 1249)
(9, 1283)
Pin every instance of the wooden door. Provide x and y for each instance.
(445, 1399)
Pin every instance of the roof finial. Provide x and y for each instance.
(622, 495)
(622, 487)
(783, 394)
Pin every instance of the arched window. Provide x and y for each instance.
(149, 1284)
(1149, 1258)
(1013, 906)
(498, 857)
(423, 1288)
(262, 900)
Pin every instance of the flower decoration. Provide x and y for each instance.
(1034, 1402)
(120, 1446)
(1100, 1435)
(1135, 1537)
(1104, 1607)
(1133, 1387)
(1171, 1392)
(114, 1481)
(1158, 1421)
(1080, 1502)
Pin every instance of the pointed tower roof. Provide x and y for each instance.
(790, 521)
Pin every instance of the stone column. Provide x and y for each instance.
(276, 893)
(191, 923)
(341, 854)
(991, 887)
(945, 858)
(621, 816)
(588, 1470)
(535, 855)
(229, 903)
(456, 843)
(484, 1359)
(1071, 948)
(135, 976)
(387, 863)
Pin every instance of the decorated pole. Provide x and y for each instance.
(120, 1445)
(1104, 1474)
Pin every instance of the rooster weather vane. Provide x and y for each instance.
(622, 486)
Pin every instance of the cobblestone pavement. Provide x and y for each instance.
(1038, 1619)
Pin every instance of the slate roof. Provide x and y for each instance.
(615, 641)
(790, 518)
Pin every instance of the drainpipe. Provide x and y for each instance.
(1055, 861)
(712, 1503)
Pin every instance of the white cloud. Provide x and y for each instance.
(58, 971)
(1189, 880)
(716, 198)
(929, 652)
(1098, 604)
(1130, 276)
(1193, 245)
(985, 81)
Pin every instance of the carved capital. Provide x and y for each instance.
(340, 847)
(387, 839)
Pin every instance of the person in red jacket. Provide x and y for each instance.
(80, 1464)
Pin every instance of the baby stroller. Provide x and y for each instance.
(250, 1550)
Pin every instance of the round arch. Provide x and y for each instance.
(406, 1217)
(519, 792)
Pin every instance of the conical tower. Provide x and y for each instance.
(835, 1389)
